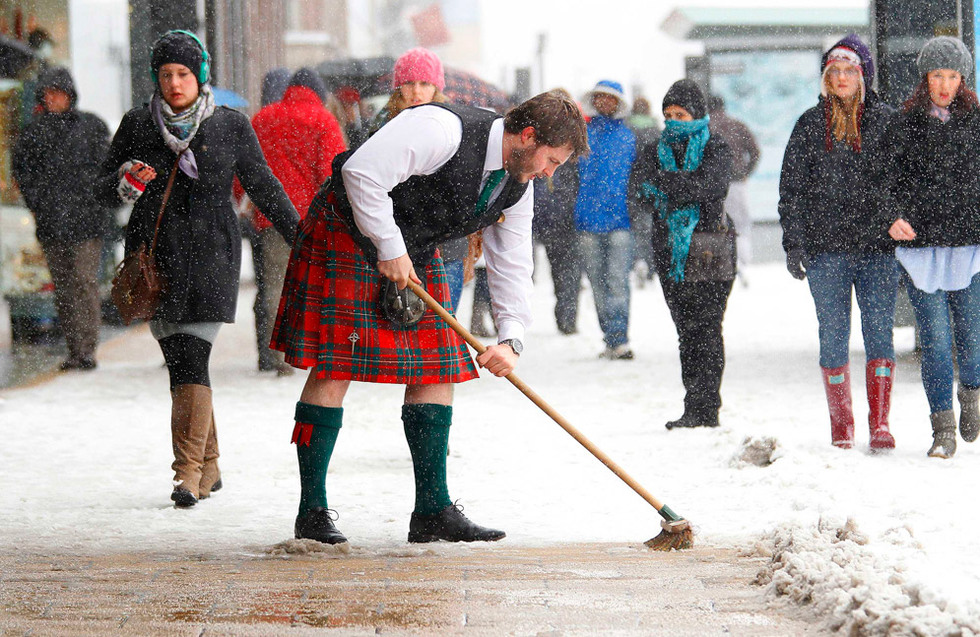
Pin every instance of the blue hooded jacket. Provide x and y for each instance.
(604, 176)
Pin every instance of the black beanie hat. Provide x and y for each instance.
(56, 77)
(178, 48)
(686, 94)
(310, 79)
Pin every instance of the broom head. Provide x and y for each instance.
(676, 535)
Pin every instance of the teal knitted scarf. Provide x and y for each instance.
(680, 222)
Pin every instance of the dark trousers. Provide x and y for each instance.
(698, 310)
(263, 322)
(74, 271)
(566, 275)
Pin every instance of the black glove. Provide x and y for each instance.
(796, 263)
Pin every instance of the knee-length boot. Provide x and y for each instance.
(190, 422)
(879, 375)
(837, 383)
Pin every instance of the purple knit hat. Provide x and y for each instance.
(862, 58)
(419, 65)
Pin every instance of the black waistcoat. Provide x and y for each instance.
(431, 209)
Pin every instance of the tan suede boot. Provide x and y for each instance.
(210, 474)
(190, 422)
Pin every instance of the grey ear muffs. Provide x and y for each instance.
(402, 307)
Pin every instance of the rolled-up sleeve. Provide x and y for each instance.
(509, 255)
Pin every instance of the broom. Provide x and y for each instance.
(677, 532)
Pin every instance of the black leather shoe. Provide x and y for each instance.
(183, 499)
(318, 525)
(689, 422)
(450, 525)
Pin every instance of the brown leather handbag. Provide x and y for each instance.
(138, 284)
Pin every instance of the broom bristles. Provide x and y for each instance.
(676, 535)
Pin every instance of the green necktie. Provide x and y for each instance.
(493, 180)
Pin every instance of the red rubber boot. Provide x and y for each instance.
(837, 383)
(879, 374)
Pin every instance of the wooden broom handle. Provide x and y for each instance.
(536, 399)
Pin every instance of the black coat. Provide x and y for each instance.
(829, 201)
(56, 159)
(706, 186)
(934, 171)
(200, 242)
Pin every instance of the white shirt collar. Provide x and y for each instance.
(495, 146)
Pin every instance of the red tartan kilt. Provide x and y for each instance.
(329, 319)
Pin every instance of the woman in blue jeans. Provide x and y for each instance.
(935, 187)
(835, 233)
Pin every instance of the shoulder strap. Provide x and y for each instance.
(163, 204)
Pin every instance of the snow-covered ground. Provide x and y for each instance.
(875, 543)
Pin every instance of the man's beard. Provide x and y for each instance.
(519, 164)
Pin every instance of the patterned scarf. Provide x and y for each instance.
(680, 222)
(178, 129)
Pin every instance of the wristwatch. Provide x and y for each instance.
(515, 344)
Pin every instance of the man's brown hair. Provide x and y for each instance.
(556, 120)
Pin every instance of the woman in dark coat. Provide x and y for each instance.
(835, 233)
(685, 177)
(934, 148)
(199, 245)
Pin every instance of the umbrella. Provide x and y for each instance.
(366, 75)
(372, 76)
(466, 88)
(14, 56)
(229, 98)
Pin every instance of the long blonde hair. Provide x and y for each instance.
(396, 103)
(843, 118)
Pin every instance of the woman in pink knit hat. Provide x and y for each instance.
(417, 79)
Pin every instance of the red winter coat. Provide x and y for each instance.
(299, 138)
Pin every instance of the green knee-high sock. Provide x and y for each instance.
(315, 434)
(427, 432)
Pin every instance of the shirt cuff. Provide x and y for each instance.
(510, 329)
(391, 248)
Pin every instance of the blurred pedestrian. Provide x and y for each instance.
(554, 228)
(299, 138)
(684, 179)
(274, 84)
(745, 157)
(836, 236)
(370, 230)
(55, 161)
(934, 146)
(355, 128)
(601, 214)
(183, 139)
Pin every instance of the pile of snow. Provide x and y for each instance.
(832, 569)
(758, 452)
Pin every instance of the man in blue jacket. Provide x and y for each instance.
(601, 216)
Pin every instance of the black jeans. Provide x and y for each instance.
(698, 310)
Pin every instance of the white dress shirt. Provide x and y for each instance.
(420, 141)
